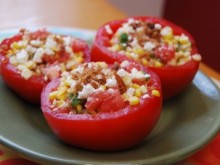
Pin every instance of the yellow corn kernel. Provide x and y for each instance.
(183, 39)
(78, 108)
(60, 103)
(144, 61)
(55, 49)
(101, 64)
(125, 96)
(53, 95)
(103, 87)
(116, 47)
(30, 64)
(138, 92)
(134, 100)
(135, 86)
(167, 33)
(127, 80)
(10, 52)
(139, 51)
(61, 95)
(14, 45)
(158, 64)
(155, 93)
(69, 82)
(143, 89)
(79, 59)
(63, 67)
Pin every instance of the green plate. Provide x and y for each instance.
(188, 122)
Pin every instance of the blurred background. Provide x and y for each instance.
(200, 18)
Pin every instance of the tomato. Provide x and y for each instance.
(116, 126)
(30, 89)
(101, 99)
(174, 78)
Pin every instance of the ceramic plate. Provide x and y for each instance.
(188, 122)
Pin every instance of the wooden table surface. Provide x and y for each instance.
(64, 13)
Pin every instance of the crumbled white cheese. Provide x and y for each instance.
(49, 51)
(70, 64)
(111, 82)
(22, 43)
(38, 55)
(73, 84)
(86, 91)
(146, 96)
(98, 76)
(68, 49)
(79, 70)
(135, 74)
(65, 74)
(108, 29)
(166, 31)
(122, 72)
(134, 43)
(140, 29)
(106, 71)
(50, 43)
(130, 20)
(22, 56)
(31, 49)
(13, 60)
(67, 40)
(36, 43)
(149, 46)
(157, 26)
(26, 73)
(196, 57)
(130, 91)
(124, 64)
(110, 90)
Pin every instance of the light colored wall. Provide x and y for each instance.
(140, 7)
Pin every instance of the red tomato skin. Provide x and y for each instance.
(174, 79)
(114, 131)
(30, 90)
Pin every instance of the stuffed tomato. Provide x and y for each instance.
(29, 60)
(103, 107)
(157, 44)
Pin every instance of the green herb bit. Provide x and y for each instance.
(76, 101)
(123, 38)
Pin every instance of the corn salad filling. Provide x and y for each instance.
(83, 89)
(151, 44)
(43, 53)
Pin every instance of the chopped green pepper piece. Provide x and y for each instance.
(124, 38)
(76, 101)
